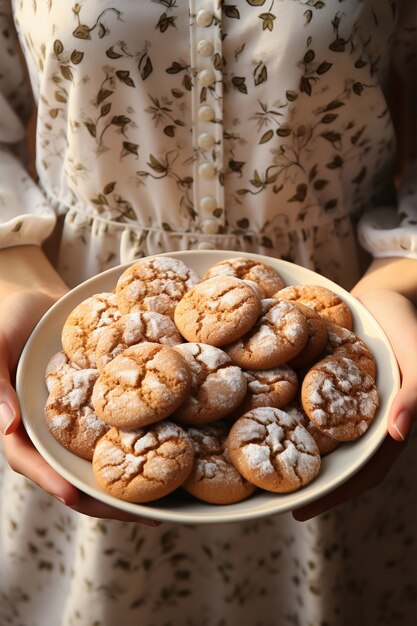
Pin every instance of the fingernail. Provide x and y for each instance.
(402, 424)
(60, 499)
(150, 522)
(6, 417)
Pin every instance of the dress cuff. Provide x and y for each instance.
(381, 233)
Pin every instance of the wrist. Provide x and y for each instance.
(26, 268)
(394, 274)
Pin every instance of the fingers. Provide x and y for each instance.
(398, 317)
(94, 508)
(9, 404)
(368, 477)
(26, 460)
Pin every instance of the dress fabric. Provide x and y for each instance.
(165, 125)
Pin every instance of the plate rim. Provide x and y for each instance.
(222, 513)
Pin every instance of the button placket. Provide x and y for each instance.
(207, 112)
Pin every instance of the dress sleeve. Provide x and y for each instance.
(25, 216)
(392, 230)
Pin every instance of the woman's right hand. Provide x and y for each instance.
(20, 310)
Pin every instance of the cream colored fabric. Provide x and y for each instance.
(166, 125)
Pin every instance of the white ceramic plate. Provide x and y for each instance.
(179, 507)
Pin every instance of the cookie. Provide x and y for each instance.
(265, 276)
(277, 337)
(155, 283)
(218, 386)
(142, 385)
(85, 325)
(217, 311)
(132, 329)
(273, 451)
(339, 398)
(325, 302)
(324, 443)
(343, 342)
(317, 337)
(275, 387)
(58, 365)
(145, 464)
(214, 478)
(69, 415)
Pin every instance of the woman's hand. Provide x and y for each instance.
(389, 292)
(21, 308)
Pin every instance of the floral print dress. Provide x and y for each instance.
(164, 125)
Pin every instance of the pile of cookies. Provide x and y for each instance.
(221, 385)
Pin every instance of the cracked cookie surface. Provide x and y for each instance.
(339, 398)
(58, 365)
(85, 325)
(145, 464)
(217, 311)
(142, 385)
(70, 416)
(343, 342)
(317, 337)
(274, 387)
(214, 478)
(279, 334)
(273, 451)
(264, 276)
(218, 386)
(132, 329)
(324, 443)
(154, 284)
(325, 302)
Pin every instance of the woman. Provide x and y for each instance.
(161, 126)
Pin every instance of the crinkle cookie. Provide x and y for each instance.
(343, 342)
(324, 443)
(275, 387)
(85, 325)
(273, 451)
(214, 478)
(265, 276)
(142, 385)
(279, 335)
(325, 302)
(132, 329)
(143, 465)
(218, 386)
(339, 398)
(70, 416)
(317, 337)
(58, 365)
(154, 283)
(217, 311)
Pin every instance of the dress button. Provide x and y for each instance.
(205, 245)
(206, 170)
(204, 18)
(210, 227)
(206, 113)
(205, 48)
(206, 77)
(208, 204)
(205, 141)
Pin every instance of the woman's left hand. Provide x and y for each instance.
(395, 310)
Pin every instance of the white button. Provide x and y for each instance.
(205, 245)
(208, 204)
(210, 227)
(206, 170)
(206, 113)
(205, 141)
(206, 77)
(205, 48)
(204, 18)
